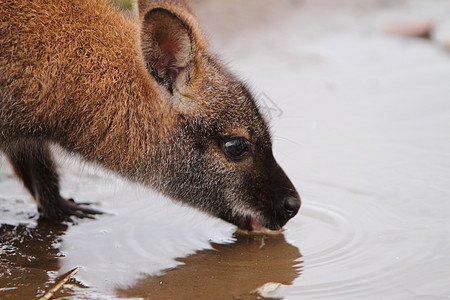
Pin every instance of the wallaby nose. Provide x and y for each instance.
(291, 205)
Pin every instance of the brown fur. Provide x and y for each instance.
(145, 99)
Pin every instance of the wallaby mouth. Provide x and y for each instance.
(252, 223)
(256, 226)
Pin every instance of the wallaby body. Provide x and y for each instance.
(144, 99)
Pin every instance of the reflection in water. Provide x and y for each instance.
(28, 257)
(228, 271)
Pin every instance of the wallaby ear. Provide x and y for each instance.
(167, 48)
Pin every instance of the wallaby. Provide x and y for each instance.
(144, 98)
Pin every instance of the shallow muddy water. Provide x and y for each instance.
(361, 124)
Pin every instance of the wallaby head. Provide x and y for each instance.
(220, 157)
(144, 98)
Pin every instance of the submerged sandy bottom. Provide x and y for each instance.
(361, 124)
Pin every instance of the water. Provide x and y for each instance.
(363, 130)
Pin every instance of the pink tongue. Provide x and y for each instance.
(255, 224)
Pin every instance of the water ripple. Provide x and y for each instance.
(346, 256)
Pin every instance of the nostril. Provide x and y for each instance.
(291, 205)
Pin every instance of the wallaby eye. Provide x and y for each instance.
(236, 148)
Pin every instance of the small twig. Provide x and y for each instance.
(50, 294)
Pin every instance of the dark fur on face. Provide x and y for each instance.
(206, 178)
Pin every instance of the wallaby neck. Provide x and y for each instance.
(119, 125)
